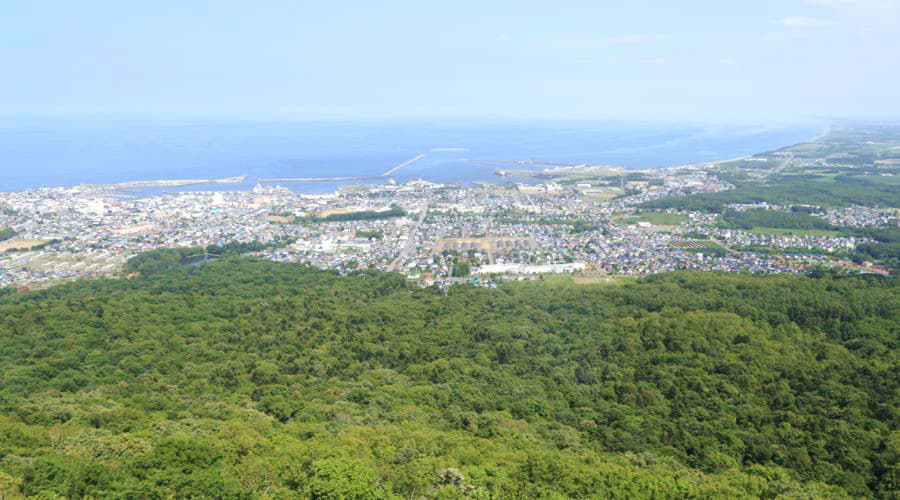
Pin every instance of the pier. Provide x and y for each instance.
(529, 162)
(173, 182)
(322, 179)
(410, 161)
(386, 174)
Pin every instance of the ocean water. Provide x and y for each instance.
(44, 152)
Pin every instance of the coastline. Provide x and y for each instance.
(322, 160)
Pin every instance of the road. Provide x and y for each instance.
(490, 244)
(410, 242)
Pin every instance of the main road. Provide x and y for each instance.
(410, 242)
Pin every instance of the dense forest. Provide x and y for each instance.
(885, 248)
(6, 233)
(392, 212)
(246, 378)
(802, 189)
(748, 219)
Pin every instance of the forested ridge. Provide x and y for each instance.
(794, 189)
(247, 378)
(748, 219)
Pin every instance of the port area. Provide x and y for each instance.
(172, 182)
(386, 174)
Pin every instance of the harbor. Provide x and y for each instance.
(173, 182)
(386, 174)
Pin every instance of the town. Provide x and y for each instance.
(591, 228)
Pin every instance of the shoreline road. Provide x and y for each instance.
(410, 242)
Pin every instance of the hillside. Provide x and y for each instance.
(246, 378)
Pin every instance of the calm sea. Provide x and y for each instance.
(42, 152)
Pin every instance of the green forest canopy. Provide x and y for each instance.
(362, 215)
(802, 189)
(748, 219)
(246, 378)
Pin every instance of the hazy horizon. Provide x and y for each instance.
(697, 61)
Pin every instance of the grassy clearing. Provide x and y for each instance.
(280, 219)
(814, 175)
(572, 280)
(569, 280)
(882, 180)
(702, 246)
(20, 244)
(600, 279)
(604, 194)
(696, 244)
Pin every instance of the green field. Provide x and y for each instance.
(792, 190)
(883, 180)
(606, 194)
(702, 246)
(564, 280)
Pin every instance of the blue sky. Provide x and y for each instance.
(641, 59)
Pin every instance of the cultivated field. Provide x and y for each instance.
(20, 244)
(280, 219)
